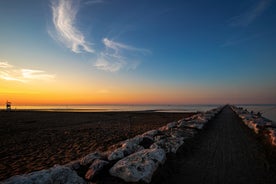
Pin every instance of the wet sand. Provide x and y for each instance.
(34, 140)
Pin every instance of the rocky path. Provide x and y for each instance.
(226, 152)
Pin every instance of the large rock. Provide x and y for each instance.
(88, 159)
(57, 174)
(272, 135)
(168, 126)
(178, 132)
(151, 133)
(116, 154)
(96, 167)
(128, 147)
(139, 166)
(202, 119)
(191, 124)
(169, 144)
(132, 145)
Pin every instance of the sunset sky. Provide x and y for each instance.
(137, 51)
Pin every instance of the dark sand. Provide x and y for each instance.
(226, 151)
(34, 140)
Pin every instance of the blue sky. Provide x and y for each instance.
(201, 51)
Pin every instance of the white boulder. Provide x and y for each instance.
(139, 166)
(169, 144)
(168, 126)
(57, 174)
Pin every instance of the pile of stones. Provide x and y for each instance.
(257, 123)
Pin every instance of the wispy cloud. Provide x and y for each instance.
(11, 73)
(64, 16)
(36, 74)
(113, 59)
(4, 64)
(250, 15)
(117, 46)
(109, 63)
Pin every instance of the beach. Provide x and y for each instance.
(35, 140)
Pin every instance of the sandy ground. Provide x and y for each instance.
(31, 141)
(225, 152)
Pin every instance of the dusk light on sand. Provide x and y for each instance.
(89, 88)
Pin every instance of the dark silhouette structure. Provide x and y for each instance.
(8, 106)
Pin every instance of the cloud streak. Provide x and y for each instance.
(109, 63)
(116, 46)
(64, 16)
(113, 59)
(10, 73)
(250, 15)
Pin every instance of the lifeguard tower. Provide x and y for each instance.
(8, 106)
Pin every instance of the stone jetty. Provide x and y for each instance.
(237, 146)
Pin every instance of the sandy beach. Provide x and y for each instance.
(34, 140)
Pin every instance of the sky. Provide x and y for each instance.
(137, 52)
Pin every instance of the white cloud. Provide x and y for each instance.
(116, 46)
(35, 74)
(249, 16)
(109, 63)
(64, 15)
(11, 76)
(113, 59)
(11, 73)
(5, 65)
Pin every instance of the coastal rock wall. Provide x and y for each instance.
(132, 160)
(257, 123)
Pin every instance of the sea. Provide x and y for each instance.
(268, 111)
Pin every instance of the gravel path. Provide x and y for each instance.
(225, 152)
